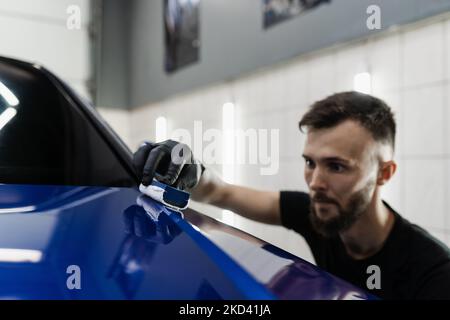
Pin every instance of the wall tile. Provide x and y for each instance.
(349, 62)
(446, 102)
(273, 89)
(255, 88)
(296, 85)
(142, 125)
(292, 140)
(241, 93)
(385, 63)
(322, 79)
(447, 48)
(423, 55)
(292, 174)
(423, 121)
(424, 193)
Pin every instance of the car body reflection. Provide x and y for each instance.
(284, 275)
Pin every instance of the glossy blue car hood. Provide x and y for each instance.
(63, 242)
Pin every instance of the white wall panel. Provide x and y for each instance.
(423, 55)
(44, 9)
(36, 31)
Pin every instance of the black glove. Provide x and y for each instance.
(170, 162)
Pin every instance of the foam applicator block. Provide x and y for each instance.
(167, 195)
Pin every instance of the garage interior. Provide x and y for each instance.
(249, 76)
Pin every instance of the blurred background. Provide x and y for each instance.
(154, 66)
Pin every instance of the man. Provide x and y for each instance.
(352, 232)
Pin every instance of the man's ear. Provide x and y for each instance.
(386, 171)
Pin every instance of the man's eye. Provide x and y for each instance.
(336, 167)
(309, 163)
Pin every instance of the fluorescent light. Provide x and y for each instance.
(161, 129)
(20, 255)
(228, 153)
(6, 116)
(8, 95)
(362, 82)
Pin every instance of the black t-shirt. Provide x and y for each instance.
(412, 263)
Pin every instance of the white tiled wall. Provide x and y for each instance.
(447, 47)
(410, 67)
(423, 55)
(424, 120)
(36, 31)
(385, 58)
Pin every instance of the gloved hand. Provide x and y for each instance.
(170, 162)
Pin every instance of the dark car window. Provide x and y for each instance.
(46, 140)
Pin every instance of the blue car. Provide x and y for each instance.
(73, 224)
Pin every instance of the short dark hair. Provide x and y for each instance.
(372, 113)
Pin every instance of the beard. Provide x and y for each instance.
(346, 217)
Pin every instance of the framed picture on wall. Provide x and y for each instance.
(181, 33)
(276, 11)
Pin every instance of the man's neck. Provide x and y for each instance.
(369, 233)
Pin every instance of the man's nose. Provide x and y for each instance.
(318, 181)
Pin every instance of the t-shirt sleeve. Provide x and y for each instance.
(294, 211)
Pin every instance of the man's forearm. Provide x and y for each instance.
(262, 206)
(210, 189)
